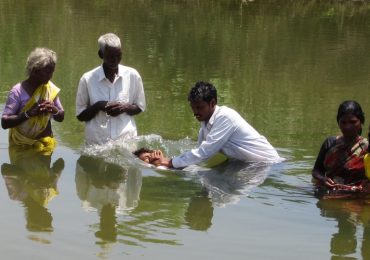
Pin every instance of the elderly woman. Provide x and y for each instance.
(340, 165)
(33, 102)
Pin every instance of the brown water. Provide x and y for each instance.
(284, 65)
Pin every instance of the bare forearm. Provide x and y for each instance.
(166, 162)
(323, 179)
(59, 117)
(13, 120)
(132, 109)
(318, 175)
(90, 112)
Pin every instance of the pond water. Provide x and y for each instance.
(284, 65)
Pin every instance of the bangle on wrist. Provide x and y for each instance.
(26, 115)
(54, 114)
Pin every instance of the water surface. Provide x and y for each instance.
(284, 65)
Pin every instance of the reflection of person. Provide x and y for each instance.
(339, 164)
(109, 188)
(200, 212)
(33, 102)
(109, 96)
(30, 179)
(350, 214)
(222, 130)
(227, 182)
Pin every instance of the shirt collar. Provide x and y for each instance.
(101, 74)
(212, 118)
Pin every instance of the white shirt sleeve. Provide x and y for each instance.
(82, 97)
(139, 98)
(219, 134)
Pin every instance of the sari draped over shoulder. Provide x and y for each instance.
(345, 162)
(27, 132)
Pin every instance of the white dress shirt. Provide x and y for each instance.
(126, 88)
(227, 132)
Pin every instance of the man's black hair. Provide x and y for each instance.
(202, 91)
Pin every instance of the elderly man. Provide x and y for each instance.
(109, 96)
(222, 130)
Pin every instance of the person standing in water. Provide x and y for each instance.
(32, 103)
(340, 164)
(109, 96)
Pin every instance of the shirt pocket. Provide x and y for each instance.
(123, 96)
(123, 90)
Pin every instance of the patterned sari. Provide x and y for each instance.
(27, 132)
(344, 162)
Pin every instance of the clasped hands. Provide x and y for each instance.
(42, 107)
(114, 108)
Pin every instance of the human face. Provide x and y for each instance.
(145, 157)
(149, 158)
(43, 75)
(350, 125)
(203, 110)
(111, 57)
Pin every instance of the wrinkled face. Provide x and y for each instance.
(350, 125)
(112, 57)
(43, 75)
(203, 110)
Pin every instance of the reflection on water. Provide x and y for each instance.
(100, 183)
(226, 183)
(108, 188)
(284, 65)
(353, 222)
(31, 179)
(156, 202)
(199, 212)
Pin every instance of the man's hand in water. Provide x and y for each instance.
(158, 159)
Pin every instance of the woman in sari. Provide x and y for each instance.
(32, 103)
(340, 164)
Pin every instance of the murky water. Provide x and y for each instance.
(284, 65)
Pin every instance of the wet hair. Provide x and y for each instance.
(141, 151)
(202, 91)
(40, 58)
(109, 40)
(351, 107)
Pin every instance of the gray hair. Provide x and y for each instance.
(109, 40)
(39, 58)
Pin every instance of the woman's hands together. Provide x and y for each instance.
(43, 107)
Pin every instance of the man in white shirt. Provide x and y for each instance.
(109, 96)
(222, 130)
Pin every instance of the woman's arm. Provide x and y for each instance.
(318, 171)
(9, 121)
(322, 179)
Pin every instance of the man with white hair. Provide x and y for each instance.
(109, 96)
